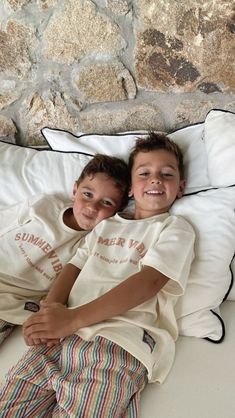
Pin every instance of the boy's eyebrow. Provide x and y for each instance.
(87, 187)
(163, 166)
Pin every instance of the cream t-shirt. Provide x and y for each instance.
(34, 246)
(118, 248)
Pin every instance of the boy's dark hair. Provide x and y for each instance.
(157, 141)
(115, 168)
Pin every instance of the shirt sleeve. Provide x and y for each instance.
(172, 254)
(15, 215)
(82, 253)
(10, 217)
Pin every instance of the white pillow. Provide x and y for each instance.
(27, 171)
(189, 139)
(219, 138)
(211, 213)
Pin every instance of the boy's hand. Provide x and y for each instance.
(38, 341)
(52, 322)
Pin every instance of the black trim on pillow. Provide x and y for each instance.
(222, 327)
(232, 280)
(37, 148)
(144, 132)
(220, 110)
(184, 127)
(45, 148)
(208, 189)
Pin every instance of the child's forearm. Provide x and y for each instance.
(63, 284)
(132, 292)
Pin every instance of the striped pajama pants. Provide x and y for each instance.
(5, 329)
(77, 379)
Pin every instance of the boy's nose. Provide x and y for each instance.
(93, 206)
(156, 180)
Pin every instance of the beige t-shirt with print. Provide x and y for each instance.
(118, 248)
(34, 246)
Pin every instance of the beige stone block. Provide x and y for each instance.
(183, 46)
(192, 111)
(80, 30)
(105, 82)
(17, 4)
(15, 45)
(38, 112)
(127, 117)
(7, 127)
(118, 6)
(6, 99)
(46, 4)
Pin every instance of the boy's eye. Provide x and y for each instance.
(107, 203)
(143, 174)
(167, 174)
(87, 194)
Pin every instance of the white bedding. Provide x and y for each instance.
(200, 385)
(202, 381)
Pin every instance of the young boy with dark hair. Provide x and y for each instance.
(39, 236)
(118, 329)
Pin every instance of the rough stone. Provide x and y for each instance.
(7, 127)
(15, 44)
(105, 82)
(118, 6)
(85, 31)
(46, 4)
(40, 112)
(17, 4)
(230, 106)
(176, 48)
(169, 47)
(135, 116)
(7, 98)
(190, 111)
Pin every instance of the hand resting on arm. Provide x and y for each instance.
(57, 321)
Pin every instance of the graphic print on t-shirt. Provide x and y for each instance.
(36, 251)
(137, 249)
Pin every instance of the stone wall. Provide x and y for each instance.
(113, 65)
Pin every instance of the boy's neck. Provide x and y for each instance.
(70, 221)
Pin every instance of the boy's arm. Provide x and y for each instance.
(58, 293)
(62, 285)
(135, 290)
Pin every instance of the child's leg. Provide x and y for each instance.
(5, 329)
(98, 379)
(28, 391)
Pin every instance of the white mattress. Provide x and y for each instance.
(201, 383)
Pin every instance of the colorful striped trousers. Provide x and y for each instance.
(5, 329)
(82, 379)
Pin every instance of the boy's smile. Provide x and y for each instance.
(155, 182)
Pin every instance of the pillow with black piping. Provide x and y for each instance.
(219, 137)
(28, 171)
(211, 214)
(189, 139)
(231, 294)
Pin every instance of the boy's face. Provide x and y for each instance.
(95, 198)
(155, 183)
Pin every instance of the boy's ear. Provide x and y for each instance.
(75, 187)
(181, 189)
(130, 193)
